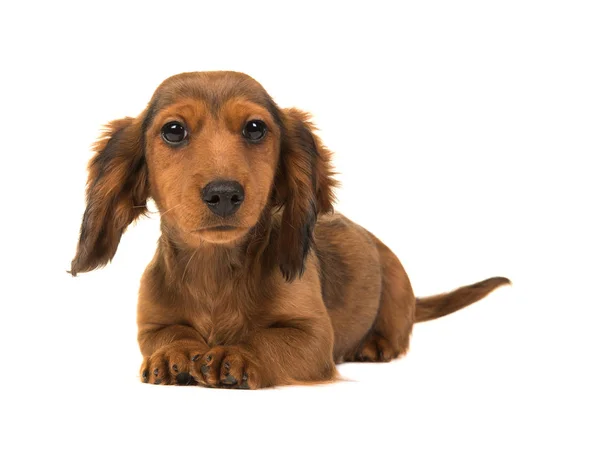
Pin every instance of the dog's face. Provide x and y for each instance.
(216, 154)
(212, 157)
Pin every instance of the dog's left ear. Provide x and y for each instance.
(304, 187)
(117, 191)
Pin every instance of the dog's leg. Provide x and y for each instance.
(390, 335)
(169, 353)
(293, 353)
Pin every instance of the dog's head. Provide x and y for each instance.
(215, 153)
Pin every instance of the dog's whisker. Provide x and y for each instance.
(147, 211)
(289, 224)
(170, 209)
(188, 264)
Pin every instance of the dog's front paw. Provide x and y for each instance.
(227, 367)
(172, 363)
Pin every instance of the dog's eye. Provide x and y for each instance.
(254, 130)
(173, 133)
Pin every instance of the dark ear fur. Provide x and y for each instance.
(117, 190)
(304, 187)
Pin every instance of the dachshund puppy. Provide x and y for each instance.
(255, 281)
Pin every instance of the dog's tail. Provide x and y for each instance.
(429, 308)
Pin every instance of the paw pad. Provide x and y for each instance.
(229, 380)
(183, 379)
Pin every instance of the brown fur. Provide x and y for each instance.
(280, 298)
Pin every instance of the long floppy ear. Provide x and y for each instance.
(304, 187)
(117, 190)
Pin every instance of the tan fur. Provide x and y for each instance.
(290, 288)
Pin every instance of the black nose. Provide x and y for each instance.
(223, 197)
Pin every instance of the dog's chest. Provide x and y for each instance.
(221, 322)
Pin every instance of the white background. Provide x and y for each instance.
(465, 135)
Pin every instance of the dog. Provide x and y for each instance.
(255, 282)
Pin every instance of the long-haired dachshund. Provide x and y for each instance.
(255, 281)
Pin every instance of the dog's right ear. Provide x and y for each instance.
(117, 191)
